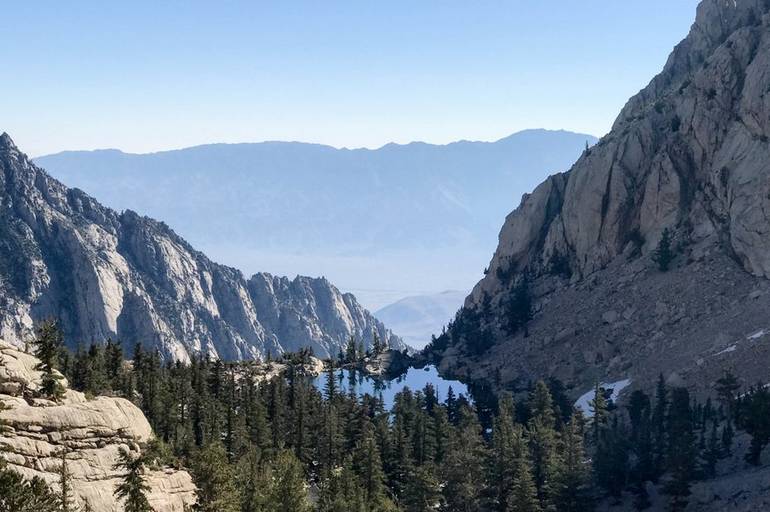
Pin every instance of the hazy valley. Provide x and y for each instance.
(548, 322)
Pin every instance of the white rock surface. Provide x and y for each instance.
(91, 431)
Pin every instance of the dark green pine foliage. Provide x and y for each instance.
(611, 458)
(711, 453)
(20, 495)
(572, 489)
(599, 414)
(728, 434)
(544, 444)
(664, 253)
(641, 442)
(288, 493)
(523, 495)
(681, 448)
(503, 454)
(340, 491)
(49, 344)
(518, 309)
(659, 441)
(368, 466)
(276, 409)
(464, 464)
(754, 418)
(727, 388)
(66, 499)
(423, 490)
(256, 444)
(133, 488)
(215, 480)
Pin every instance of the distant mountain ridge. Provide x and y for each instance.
(418, 317)
(105, 274)
(358, 216)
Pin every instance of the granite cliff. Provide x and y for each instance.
(106, 274)
(689, 153)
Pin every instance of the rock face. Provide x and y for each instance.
(118, 275)
(90, 431)
(688, 153)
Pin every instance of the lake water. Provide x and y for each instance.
(415, 379)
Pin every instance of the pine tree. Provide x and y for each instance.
(610, 463)
(331, 442)
(277, 412)
(659, 441)
(681, 448)
(66, 500)
(599, 412)
(546, 463)
(463, 466)
(519, 306)
(664, 252)
(755, 420)
(330, 384)
(451, 406)
(215, 481)
(541, 405)
(351, 353)
(340, 491)
(727, 387)
(368, 465)
(133, 487)
(20, 495)
(288, 492)
(49, 343)
(400, 463)
(572, 480)
(253, 483)
(378, 346)
(640, 415)
(711, 453)
(423, 490)
(523, 496)
(728, 434)
(503, 452)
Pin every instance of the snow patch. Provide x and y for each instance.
(756, 335)
(731, 348)
(583, 403)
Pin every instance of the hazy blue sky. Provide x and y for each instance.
(144, 76)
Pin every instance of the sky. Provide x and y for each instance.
(147, 76)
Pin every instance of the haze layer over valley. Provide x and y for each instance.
(397, 221)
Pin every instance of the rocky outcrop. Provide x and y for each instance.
(35, 433)
(119, 275)
(688, 153)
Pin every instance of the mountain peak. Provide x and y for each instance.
(6, 143)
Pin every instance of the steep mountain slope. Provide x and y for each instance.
(689, 153)
(90, 431)
(418, 317)
(405, 217)
(107, 274)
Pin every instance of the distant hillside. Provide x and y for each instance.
(418, 317)
(402, 217)
(114, 275)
